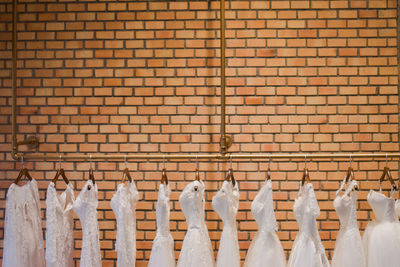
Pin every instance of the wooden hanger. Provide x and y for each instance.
(125, 175)
(269, 170)
(306, 177)
(164, 178)
(230, 177)
(91, 175)
(350, 177)
(60, 172)
(23, 173)
(386, 172)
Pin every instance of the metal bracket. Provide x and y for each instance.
(225, 143)
(32, 142)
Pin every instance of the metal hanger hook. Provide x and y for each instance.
(22, 161)
(386, 159)
(163, 161)
(269, 162)
(350, 160)
(231, 160)
(90, 161)
(59, 162)
(126, 165)
(305, 161)
(197, 162)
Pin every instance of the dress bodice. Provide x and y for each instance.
(345, 206)
(226, 203)
(191, 201)
(163, 210)
(306, 209)
(383, 207)
(263, 209)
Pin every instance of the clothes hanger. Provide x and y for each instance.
(197, 173)
(91, 174)
(386, 172)
(306, 175)
(60, 172)
(230, 177)
(350, 174)
(23, 173)
(269, 169)
(164, 178)
(126, 173)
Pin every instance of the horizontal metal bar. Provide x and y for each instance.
(53, 157)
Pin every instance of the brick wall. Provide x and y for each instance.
(143, 76)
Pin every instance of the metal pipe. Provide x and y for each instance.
(55, 157)
(223, 141)
(14, 152)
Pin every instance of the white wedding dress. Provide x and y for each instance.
(23, 235)
(123, 203)
(162, 253)
(398, 207)
(265, 249)
(196, 249)
(349, 250)
(307, 250)
(226, 203)
(85, 206)
(59, 227)
(382, 236)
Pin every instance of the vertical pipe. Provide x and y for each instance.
(223, 145)
(14, 81)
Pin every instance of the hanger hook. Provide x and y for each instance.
(90, 160)
(350, 161)
(386, 159)
(231, 160)
(59, 162)
(22, 161)
(163, 161)
(305, 161)
(126, 165)
(197, 162)
(269, 162)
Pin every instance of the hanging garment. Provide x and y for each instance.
(398, 207)
(162, 253)
(265, 249)
(382, 236)
(308, 250)
(23, 235)
(196, 248)
(85, 206)
(59, 227)
(349, 250)
(226, 203)
(123, 203)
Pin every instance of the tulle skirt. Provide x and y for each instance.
(228, 253)
(196, 250)
(162, 253)
(265, 251)
(349, 250)
(382, 244)
(305, 254)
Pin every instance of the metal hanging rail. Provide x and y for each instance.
(225, 141)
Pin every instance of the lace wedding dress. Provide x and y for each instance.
(162, 253)
(59, 227)
(123, 203)
(196, 249)
(226, 203)
(308, 250)
(382, 236)
(349, 249)
(265, 249)
(85, 206)
(23, 236)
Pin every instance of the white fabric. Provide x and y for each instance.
(349, 249)
(123, 203)
(265, 249)
(23, 236)
(85, 206)
(162, 253)
(382, 236)
(398, 207)
(196, 248)
(307, 250)
(226, 203)
(59, 227)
